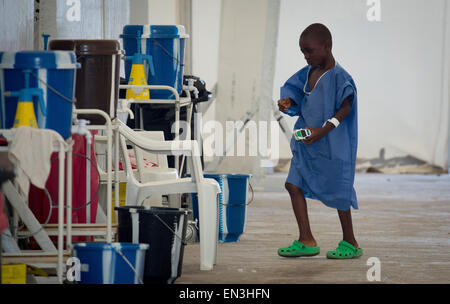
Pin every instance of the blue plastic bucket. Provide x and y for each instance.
(52, 71)
(166, 45)
(232, 205)
(109, 263)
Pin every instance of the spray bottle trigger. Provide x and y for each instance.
(40, 97)
(149, 59)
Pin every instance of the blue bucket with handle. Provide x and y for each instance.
(111, 263)
(166, 45)
(54, 72)
(233, 202)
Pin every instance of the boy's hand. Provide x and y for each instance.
(316, 134)
(284, 104)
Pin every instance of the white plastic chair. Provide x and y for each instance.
(142, 173)
(206, 189)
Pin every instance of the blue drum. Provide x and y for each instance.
(52, 71)
(166, 45)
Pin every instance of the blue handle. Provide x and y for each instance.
(46, 36)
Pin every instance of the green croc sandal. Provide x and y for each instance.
(345, 250)
(297, 249)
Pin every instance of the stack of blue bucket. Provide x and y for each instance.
(166, 45)
(232, 205)
(54, 73)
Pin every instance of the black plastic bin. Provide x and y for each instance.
(164, 229)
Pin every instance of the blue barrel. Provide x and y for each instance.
(232, 205)
(109, 263)
(166, 45)
(52, 71)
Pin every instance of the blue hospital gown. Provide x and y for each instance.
(324, 170)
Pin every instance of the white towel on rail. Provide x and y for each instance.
(30, 151)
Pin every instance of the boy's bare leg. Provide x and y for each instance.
(347, 227)
(301, 214)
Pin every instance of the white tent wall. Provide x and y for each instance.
(205, 37)
(139, 12)
(400, 65)
(16, 25)
(162, 12)
(246, 53)
(81, 19)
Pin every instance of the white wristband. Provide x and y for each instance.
(334, 121)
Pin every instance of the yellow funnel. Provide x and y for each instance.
(137, 77)
(25, 115)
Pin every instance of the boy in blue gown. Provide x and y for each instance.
(323, 96)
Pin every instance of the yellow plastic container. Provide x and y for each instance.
(25, 115)
(138, 77)
(14, 274)
(122, 198)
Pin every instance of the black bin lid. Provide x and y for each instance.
(153, 209)
(87, 46)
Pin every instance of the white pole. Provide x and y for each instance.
(88, 180)
(60, 212)
(188, 137)
(109, 188)
(108, 165)
(177, 131)
(116, 171)
(69, 197)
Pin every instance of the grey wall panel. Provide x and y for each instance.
(245, 80)
(89, 25)
(83, 19)
(16, 25)
(116, 16)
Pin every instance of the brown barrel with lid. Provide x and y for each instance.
(97, 83)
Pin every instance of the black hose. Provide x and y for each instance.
(98, 177)
(53, 89)
(42, 225)
(246, 204)
(51, 206)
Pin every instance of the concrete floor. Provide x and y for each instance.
(403, 220)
